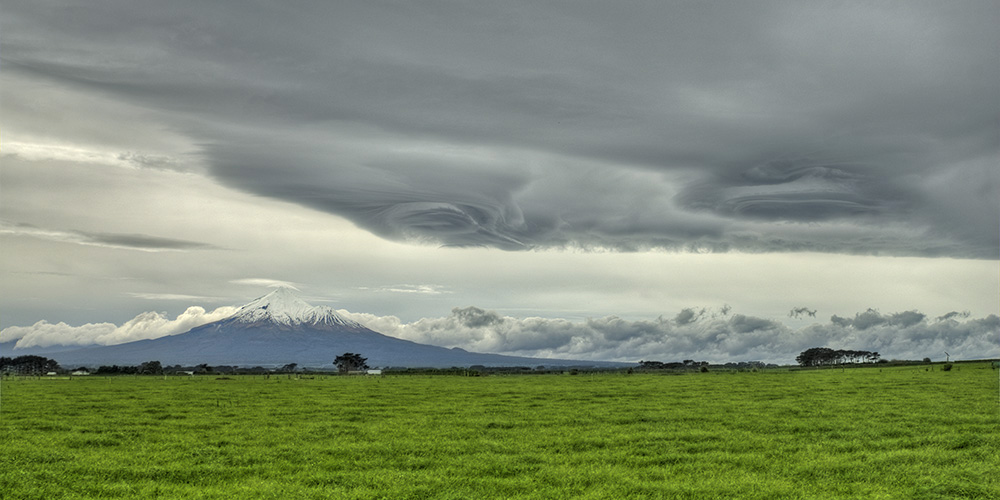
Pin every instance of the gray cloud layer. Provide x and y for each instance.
(764, 126)
(699, 334)
(702, 334)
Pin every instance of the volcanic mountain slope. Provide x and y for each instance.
(281, 328)
(282, 308)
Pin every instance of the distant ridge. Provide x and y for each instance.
(280, 328)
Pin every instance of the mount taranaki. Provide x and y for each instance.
(281, 328)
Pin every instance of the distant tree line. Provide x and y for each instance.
(742, 366)
(146, 368)
(687, 364)
(482, 370)
(821, 356)
(156, 368)
(28, 365)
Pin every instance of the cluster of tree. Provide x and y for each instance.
(687, 364)
(819, 356)
(206, 368)
(147, 368)
(481, 370)
(748, 365)
(28, 365)
(156, 368)
(350, 362)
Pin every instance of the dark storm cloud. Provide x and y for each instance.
(765, 126)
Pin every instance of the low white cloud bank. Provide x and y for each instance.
(715, 336)
(148, 325)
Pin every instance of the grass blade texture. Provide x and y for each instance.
(896, 432)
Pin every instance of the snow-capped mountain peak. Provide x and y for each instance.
(284, 307)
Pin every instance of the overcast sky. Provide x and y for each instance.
(567, 163)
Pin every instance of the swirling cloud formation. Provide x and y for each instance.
(771, 126)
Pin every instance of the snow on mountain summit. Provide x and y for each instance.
(284, 307)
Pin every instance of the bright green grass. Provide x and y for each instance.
(858, 433)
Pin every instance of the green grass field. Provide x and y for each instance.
(900, 432)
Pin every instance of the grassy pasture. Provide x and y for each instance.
(901, 432)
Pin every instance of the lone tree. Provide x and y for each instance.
(350, 362)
